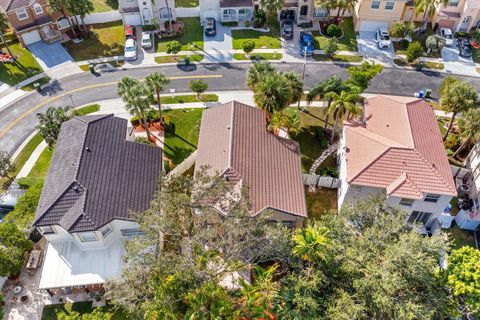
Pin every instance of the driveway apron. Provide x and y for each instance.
(49, 55)
(368, 48)
(219, 47)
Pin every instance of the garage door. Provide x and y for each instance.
(372, 25)
(31, 37)
(132, 19)
(446, 23)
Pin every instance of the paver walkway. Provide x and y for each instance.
(325, 154)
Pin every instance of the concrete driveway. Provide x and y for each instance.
(455, 63)
(49, 55)
(218, 48)
(368, 48)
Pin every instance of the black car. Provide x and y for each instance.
(210, 27)
(287, 30)
(464, 48)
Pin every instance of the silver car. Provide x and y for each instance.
(146, 40)
(383, 39)
(130, 51)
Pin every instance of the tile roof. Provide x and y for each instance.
(96, 175)
(399, 148)
(234, 142)
(235, 3)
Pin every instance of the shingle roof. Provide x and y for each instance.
(96, 175)
(234, 142)
(235, 3)
(7, 5)
(399, 148)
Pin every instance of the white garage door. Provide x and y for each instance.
(132, 19)
(372, 25)
(31, 37)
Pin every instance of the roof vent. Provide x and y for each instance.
(228, 127)
(75, 189)
(388, 126)
(88, 149)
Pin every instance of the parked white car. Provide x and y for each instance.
(383, 39)
(146, 40)
(130, 52)
(446, 34)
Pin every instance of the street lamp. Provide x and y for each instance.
(303, 73)
(71, 99)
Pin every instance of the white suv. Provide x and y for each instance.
(383, 39)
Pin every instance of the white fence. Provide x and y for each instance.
(315, 180)
(102, 17)
(187, 12)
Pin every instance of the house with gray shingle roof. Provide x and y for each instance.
(235, 144)
(97, 178)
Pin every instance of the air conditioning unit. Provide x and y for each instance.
(464, 187)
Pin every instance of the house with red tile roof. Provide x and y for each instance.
(397, 149)
(235, 144)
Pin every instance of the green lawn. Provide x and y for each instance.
(57, 311)
(337, 58)
(108, 40)
(24, 67)
(258, 56)
(266, 40)
(346, 43)
(310, 146)
(181, 143)
(40, 169)
(401, 47)
(170, 59)
(31, 86)
(86, 110)
(189, 98)
(193, 32)
(186, 3)
(320, 202)
(104, 5)
(461, 237)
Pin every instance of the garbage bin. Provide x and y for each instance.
(91, 66)
(419, 66)
(187, 60)
(428, 93)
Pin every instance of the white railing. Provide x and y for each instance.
(102, 17)
(187, 12)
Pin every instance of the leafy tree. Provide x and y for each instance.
(210, 301)
(332, 84)
(257, 72)
(414, 51)
(271, 6)
(400, 29)
(360, 76)
(6, 165)
(272, 93)
(463, 274)
(259, 18)
(331, 47)
(173, 47)
(469, 126)
(346, 5)
(156, 82)
(24, 211)
(198, 86)
(456, 97)
(248, 46)
(288, 119)
(189, 246)
(13, 249)
(3, 28)
(51, 121)
(435, 43)
(80, 8)
(343, 104)
(62, 6)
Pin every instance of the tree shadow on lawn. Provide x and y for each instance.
(177, 154)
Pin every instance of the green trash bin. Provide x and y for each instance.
(419, 66)
(91, 66)
(187, 60)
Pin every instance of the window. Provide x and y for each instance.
(106, 230)
(355, 188)
(165, 13)
(22, 14)
(87, 236)
(320, 12)
(47, 230)
(431, 198)
(37, 8)
(419, 217)
(375, 4)
(131, 232)
(453, 3)
(406, 202)
(389, 5)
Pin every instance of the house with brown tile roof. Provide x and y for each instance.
(235, 144)
(396, 149)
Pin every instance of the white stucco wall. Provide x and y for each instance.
(209, 9)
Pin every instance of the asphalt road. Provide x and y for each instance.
(19, 120)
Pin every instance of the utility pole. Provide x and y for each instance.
(303, 73)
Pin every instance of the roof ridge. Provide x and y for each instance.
(378, 138)
(230, 142)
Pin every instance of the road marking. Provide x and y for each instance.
(4, 131)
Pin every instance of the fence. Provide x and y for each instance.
(187, 12)
(184, 166)
(314, 180)
(102, 17)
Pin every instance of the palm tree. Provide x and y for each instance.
(344, 103)
(3, 27)
(457, 97)
(346, 5)
(51, 121)
(310, 243)
(272, 93)
(272, 6)
(428, 8)
(257, 72)
(469, 126)
(295, 86)
(137, 102)
(125, 84)
(61, 5)
(332, 84)
(289, 119)
(156, 82)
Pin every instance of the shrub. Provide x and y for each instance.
(453, 142)
(334, 31)
(143, 140)
(24, 211)
(248, 46)
(259, 18)
(308, 24)
(248, 24)
(173, 47)
(149, 27)
(414, 51)
(327, 171)
(321, 138)
(435, 43)
(230, 24)
(476, 36)
(330, 47)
